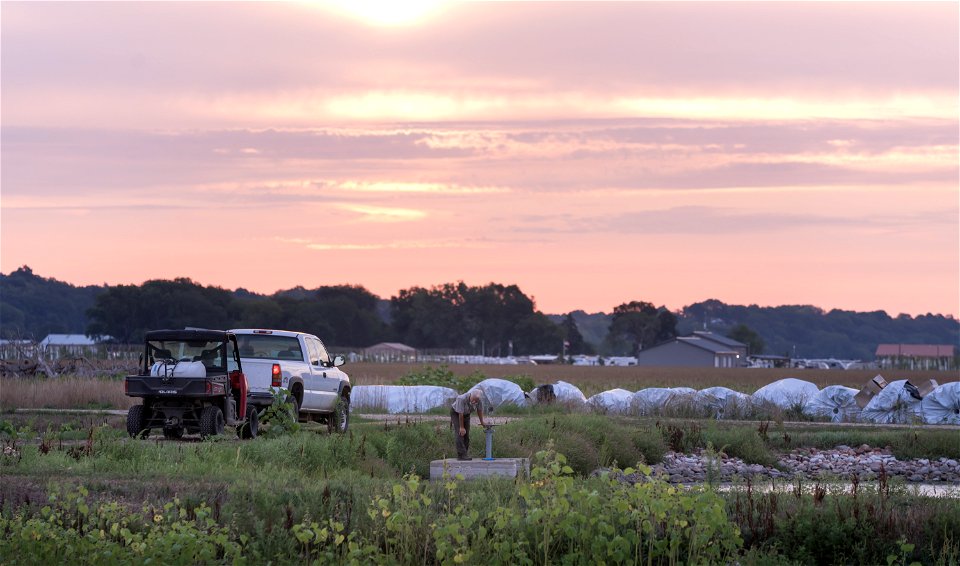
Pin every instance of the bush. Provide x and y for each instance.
(588, 441)
(69, 530)
(442, 376)
(866, 526)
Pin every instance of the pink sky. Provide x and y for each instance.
(592, 153)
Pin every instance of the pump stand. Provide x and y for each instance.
(488, 430)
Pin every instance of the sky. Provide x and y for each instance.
(591, 153)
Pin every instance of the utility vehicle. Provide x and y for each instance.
(191, 381)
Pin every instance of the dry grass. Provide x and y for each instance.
(593, 380)
(71, 392)
(63, 393)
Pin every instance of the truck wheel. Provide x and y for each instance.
(251, 427)
(211, 421)
(340, 418)
(294, 408)
(173, 432)
(137, 422)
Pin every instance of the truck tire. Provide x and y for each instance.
(294, 408)
(137, 422)
(339, 420)
(211, 421)
(251, 426)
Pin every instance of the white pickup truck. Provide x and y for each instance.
(299, 363)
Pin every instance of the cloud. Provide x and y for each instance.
(291, 64)
(384, 214)
(705, 221)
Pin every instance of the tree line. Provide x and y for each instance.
(493, 319)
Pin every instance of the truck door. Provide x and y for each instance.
(323, 385)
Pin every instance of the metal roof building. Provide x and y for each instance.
(691, 351)
(916, 356)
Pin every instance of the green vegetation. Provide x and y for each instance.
(442, 376)
(310, 497)
(551, 517)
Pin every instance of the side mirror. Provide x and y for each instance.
(339, 361)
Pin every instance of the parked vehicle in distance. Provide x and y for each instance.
(298, 362)
(191, 381)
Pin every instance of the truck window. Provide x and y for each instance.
(313, 351)
(324, 356)
(269, 347)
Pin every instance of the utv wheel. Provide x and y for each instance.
(251, 426)
(173, 432)
(137, 422)
(211, 421)
(339, 420)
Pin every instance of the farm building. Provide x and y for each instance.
(390, 352)
(738, 347)
(695, 351)
(58, 345)
(916, 356)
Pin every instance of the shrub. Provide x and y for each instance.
(588, 441)
(444, 377)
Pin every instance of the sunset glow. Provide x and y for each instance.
(591, 153)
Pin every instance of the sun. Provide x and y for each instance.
(387, 13)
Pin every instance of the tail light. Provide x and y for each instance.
(275, 376)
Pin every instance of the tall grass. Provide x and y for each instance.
(68, 392)
(71, 392)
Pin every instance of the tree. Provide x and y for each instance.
(455, 315)
(31, 307)
(743, 333)
(571, 333)
(429, 318)
(537, 334)
(126, 312)
(635, 326)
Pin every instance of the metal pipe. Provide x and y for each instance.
(488, 430)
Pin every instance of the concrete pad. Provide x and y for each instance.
(479, 468)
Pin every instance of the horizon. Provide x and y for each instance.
(387, 297)
(590, 153)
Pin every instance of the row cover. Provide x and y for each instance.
(893, 404)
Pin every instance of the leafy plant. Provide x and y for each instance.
(444, 377)
(279, 416)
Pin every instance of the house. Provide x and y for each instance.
(390, 352)
(59, 345)
(916, 356)
(691, 351)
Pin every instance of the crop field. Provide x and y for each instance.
(75, 489)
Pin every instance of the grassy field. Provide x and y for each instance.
(75, 489)
(83, 493)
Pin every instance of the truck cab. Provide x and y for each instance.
(300, 363)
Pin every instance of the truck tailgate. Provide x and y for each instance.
(258, 374)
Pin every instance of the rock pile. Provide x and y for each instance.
(841, 462)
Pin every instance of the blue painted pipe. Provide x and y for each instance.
(489, 432)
